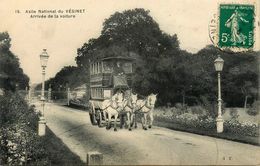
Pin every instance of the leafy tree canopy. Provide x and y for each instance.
(162, 67)
(11, 73)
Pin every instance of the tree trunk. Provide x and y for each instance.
(183, 98)
(245, 104)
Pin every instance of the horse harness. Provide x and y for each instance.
(111, 106)
(145, 106)
(128, 105)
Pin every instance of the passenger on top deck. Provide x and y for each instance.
(118, 69)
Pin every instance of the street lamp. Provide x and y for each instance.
(219, 62)
(42, 123)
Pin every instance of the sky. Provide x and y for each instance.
(189, 19)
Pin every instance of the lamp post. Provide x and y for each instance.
(42, 123)
(219, 62)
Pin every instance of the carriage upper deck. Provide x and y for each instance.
(109, 74)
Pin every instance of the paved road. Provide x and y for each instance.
(155, 146)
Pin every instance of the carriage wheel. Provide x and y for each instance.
(92, 117)
(99, 119)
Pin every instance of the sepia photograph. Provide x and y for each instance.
(133, 82)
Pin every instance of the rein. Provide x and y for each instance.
(145, 105)
(128, 105)
(110, 106)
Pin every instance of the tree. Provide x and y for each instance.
(68, 76)
(133, 33)
(161, 66)
(247, 89)
(10, 66)
(239, 75)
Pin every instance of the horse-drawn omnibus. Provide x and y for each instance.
(108, 76)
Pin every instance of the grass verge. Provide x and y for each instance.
(229, 136)
(58, 152)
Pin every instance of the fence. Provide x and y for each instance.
(65, 97)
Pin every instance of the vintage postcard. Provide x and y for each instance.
(133, 82)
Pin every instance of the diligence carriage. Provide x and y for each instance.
(108, 76)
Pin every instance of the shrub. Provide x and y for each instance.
(164, 111)
(20, 144)
(244, 128)
(198, 110)
(179, 106)
(234, 114)
(211, 106)
(167, 111)
(168, 104)
(254, 109)
(208, 123)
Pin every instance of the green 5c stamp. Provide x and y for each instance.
(236, 26)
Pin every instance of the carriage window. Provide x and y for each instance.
(95, 68)
(101, 93)
(91, 68)
(107, 93)
(91, 91)
(98, 67)
(97, 93)
(107, 68)
(127, 67)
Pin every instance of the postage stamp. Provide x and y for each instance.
(236, 26)
(233, 27)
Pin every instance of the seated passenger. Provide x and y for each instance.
(118, 69)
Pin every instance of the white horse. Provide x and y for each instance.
(112, 107)
(128, 110)
(145, 107)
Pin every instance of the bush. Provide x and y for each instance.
(208, 123)
(211, 106)
(234, 114)
(20, 144)
(254, 109)
(164, 111)
(199, 110)
(180, 106)
(244, 128)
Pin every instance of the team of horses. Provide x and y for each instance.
(129, 106)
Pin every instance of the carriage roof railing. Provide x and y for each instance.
(118, 57)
